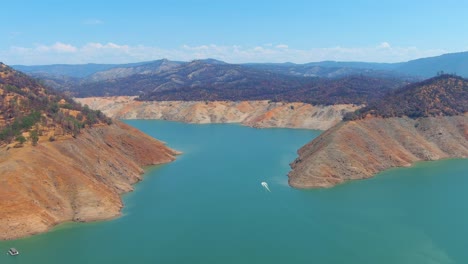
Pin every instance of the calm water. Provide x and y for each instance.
(209, 207)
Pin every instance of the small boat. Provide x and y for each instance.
(13, 252)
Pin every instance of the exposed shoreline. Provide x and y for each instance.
(73, 180)
(347, 151)
(361, 149)
(352, 150)
(259, 114)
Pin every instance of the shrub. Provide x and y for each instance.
(21, 139)
(34, 136)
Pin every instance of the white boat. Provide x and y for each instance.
(13, 252)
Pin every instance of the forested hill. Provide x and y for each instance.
(444, 95)
(28, 110)
(322, 91)
(209, 80)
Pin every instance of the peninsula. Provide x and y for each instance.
(422, 121)
(61, 162)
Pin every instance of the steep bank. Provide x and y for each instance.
(360, 149)
(75, 179)
(250, 113)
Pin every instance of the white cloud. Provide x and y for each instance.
(61, 47)
(384, 45)
(117, 53)
(58, 47)
(98, 46)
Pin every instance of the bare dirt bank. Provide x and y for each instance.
(360, 149)
(261, 114)
(73, 179)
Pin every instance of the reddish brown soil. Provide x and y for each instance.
(74, 179)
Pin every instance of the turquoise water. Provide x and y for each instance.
(209, 207)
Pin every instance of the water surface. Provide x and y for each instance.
(209, 207)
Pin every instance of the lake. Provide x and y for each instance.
(209, 207)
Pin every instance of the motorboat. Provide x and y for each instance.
(13, 252)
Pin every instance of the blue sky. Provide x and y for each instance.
(46, 32)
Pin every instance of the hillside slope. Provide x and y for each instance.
(212, 80)
(441, 95)
(63, 162)
(216, 80)
(360, 149)
(382, 136)
(453, 63)
(275, 87)
(72, 180)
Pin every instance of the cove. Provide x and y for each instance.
(209, 207)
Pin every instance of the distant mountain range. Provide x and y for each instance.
(70, 70)
(452, 63)
(207, 80)
(325, 82)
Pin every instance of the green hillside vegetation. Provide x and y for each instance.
(27, 107)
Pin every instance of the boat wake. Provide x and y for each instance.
(265, 185)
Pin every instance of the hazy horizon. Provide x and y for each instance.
(266, 62)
